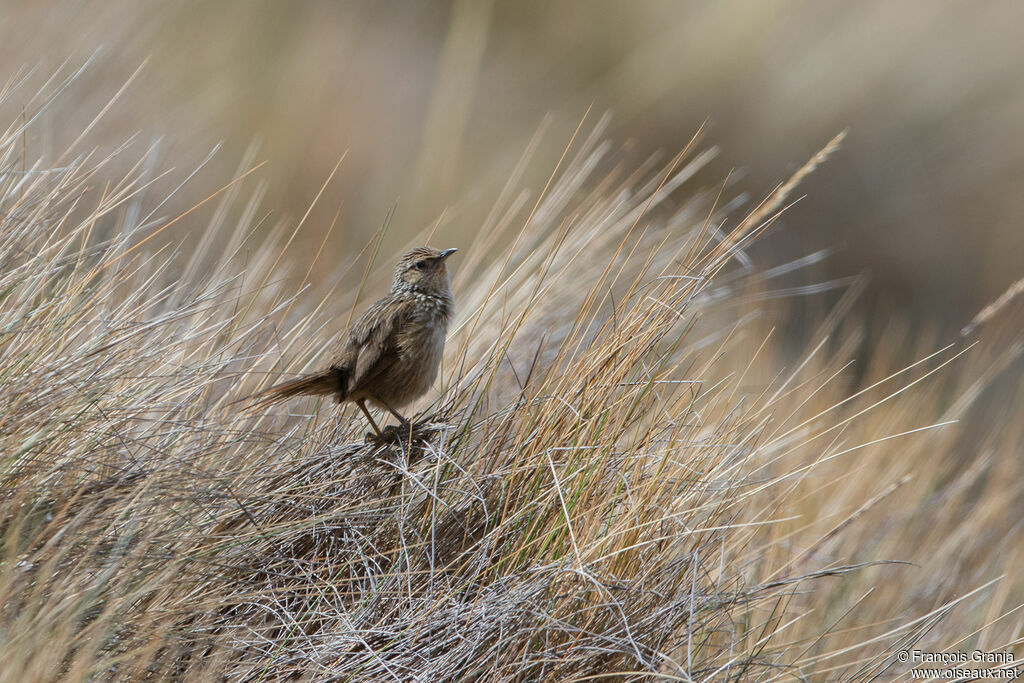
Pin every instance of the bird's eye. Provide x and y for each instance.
(421, 265)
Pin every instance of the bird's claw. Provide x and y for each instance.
(391, 433)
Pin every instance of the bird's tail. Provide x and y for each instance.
(320, 384)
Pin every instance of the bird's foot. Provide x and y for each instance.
(393, 433)
(398, 432)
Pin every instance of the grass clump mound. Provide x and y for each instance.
(625, 476)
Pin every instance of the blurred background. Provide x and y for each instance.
(432, 104)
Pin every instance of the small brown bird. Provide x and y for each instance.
(391, 354)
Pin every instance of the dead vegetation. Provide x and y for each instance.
(625, 476)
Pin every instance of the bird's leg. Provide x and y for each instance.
(362, 406)
(405, 424)
(401, 418)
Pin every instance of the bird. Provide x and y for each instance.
(390, 355)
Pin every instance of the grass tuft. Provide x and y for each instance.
(626, 476)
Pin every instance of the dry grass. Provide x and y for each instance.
(624, 476)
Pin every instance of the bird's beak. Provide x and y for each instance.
(446, 253)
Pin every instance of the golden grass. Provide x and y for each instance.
(626, 476)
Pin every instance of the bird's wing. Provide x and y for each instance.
(369, 349)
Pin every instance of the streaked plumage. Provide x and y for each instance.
(391, 353)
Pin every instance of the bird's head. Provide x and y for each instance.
(423, 269)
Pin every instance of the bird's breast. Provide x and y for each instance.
(420, 345)
(422, 339)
